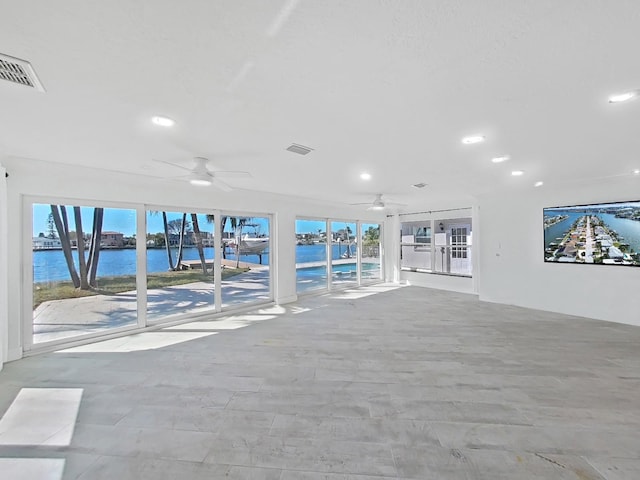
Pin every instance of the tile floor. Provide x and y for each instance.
(375, 383)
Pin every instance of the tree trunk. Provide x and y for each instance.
(82, 262)
(94, 249)
(166, 239)
(198, 238)
(238, 242)
(183, 227)
(62, 226)
(222, 225)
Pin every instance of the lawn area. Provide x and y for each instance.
(45, 291)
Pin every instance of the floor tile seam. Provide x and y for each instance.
(600, 472)
(142, 454)
(141, 429)
(546, 428)
(295, 413)
(535, 450)
(284, 469)
(32, 451)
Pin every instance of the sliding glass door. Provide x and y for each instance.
(246, 259)
(83, 262)
(344, 254)
(370, 252)
(311, 255)
(180, 256)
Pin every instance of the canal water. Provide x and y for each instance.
(628, 229)
(50, 265)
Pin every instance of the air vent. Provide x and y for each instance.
(300, 149)
(19, 71)
(419, 185)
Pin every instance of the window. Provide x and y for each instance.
(371, 268)
(311, 255)
(89, 265)
(459, 242)
(84, 270)
(246, 274)
(447, 251)
(344, 272)
(180, 255)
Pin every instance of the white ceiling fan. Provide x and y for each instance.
(200, 175)
(380, 204)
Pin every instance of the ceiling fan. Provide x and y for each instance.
(200, 175)
(379, 204)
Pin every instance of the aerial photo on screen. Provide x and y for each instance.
(607, 234)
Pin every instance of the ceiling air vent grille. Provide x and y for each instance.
(19, 71)
(301, 149)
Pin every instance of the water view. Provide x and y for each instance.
(605, 234)
(50, 265)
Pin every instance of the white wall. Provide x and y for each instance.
(512, 264)
(4, 272)
(48, 181)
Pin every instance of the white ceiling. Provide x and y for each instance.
(384, 86)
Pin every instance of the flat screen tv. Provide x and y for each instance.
(604, 234)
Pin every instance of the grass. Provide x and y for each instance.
(45, 291)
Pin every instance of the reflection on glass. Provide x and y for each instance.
(370, 252)
(84, 270)
(311, 255)
(245, 260)
(344, 270)
(180, 255)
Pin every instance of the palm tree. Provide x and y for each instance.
(198, 240)
(166, 239)
(88, 267)
(62, 226)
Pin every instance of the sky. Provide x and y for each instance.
(124, 221)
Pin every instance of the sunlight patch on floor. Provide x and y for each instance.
(32, 468)
(41, 416)
(138, 342)
(362, 292)
(230, 323)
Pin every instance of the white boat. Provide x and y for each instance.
(249, 245)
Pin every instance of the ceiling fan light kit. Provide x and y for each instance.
(201, 176)
(379, 204)
(200, 179)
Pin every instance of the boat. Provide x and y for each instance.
(249, 245)
(252, 243)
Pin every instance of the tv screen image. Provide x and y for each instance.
(604, 233)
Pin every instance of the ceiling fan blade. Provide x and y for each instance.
(220, 185)
(172, 164)
(228, 174)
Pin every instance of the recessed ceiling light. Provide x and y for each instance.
(473, 139)
(504, 158)
(623, 97)
(419, 185)
(163, 121)
(538, 184)
(517, 173)
(636, 171)
(365, 176)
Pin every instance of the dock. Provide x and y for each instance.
(226, 263)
